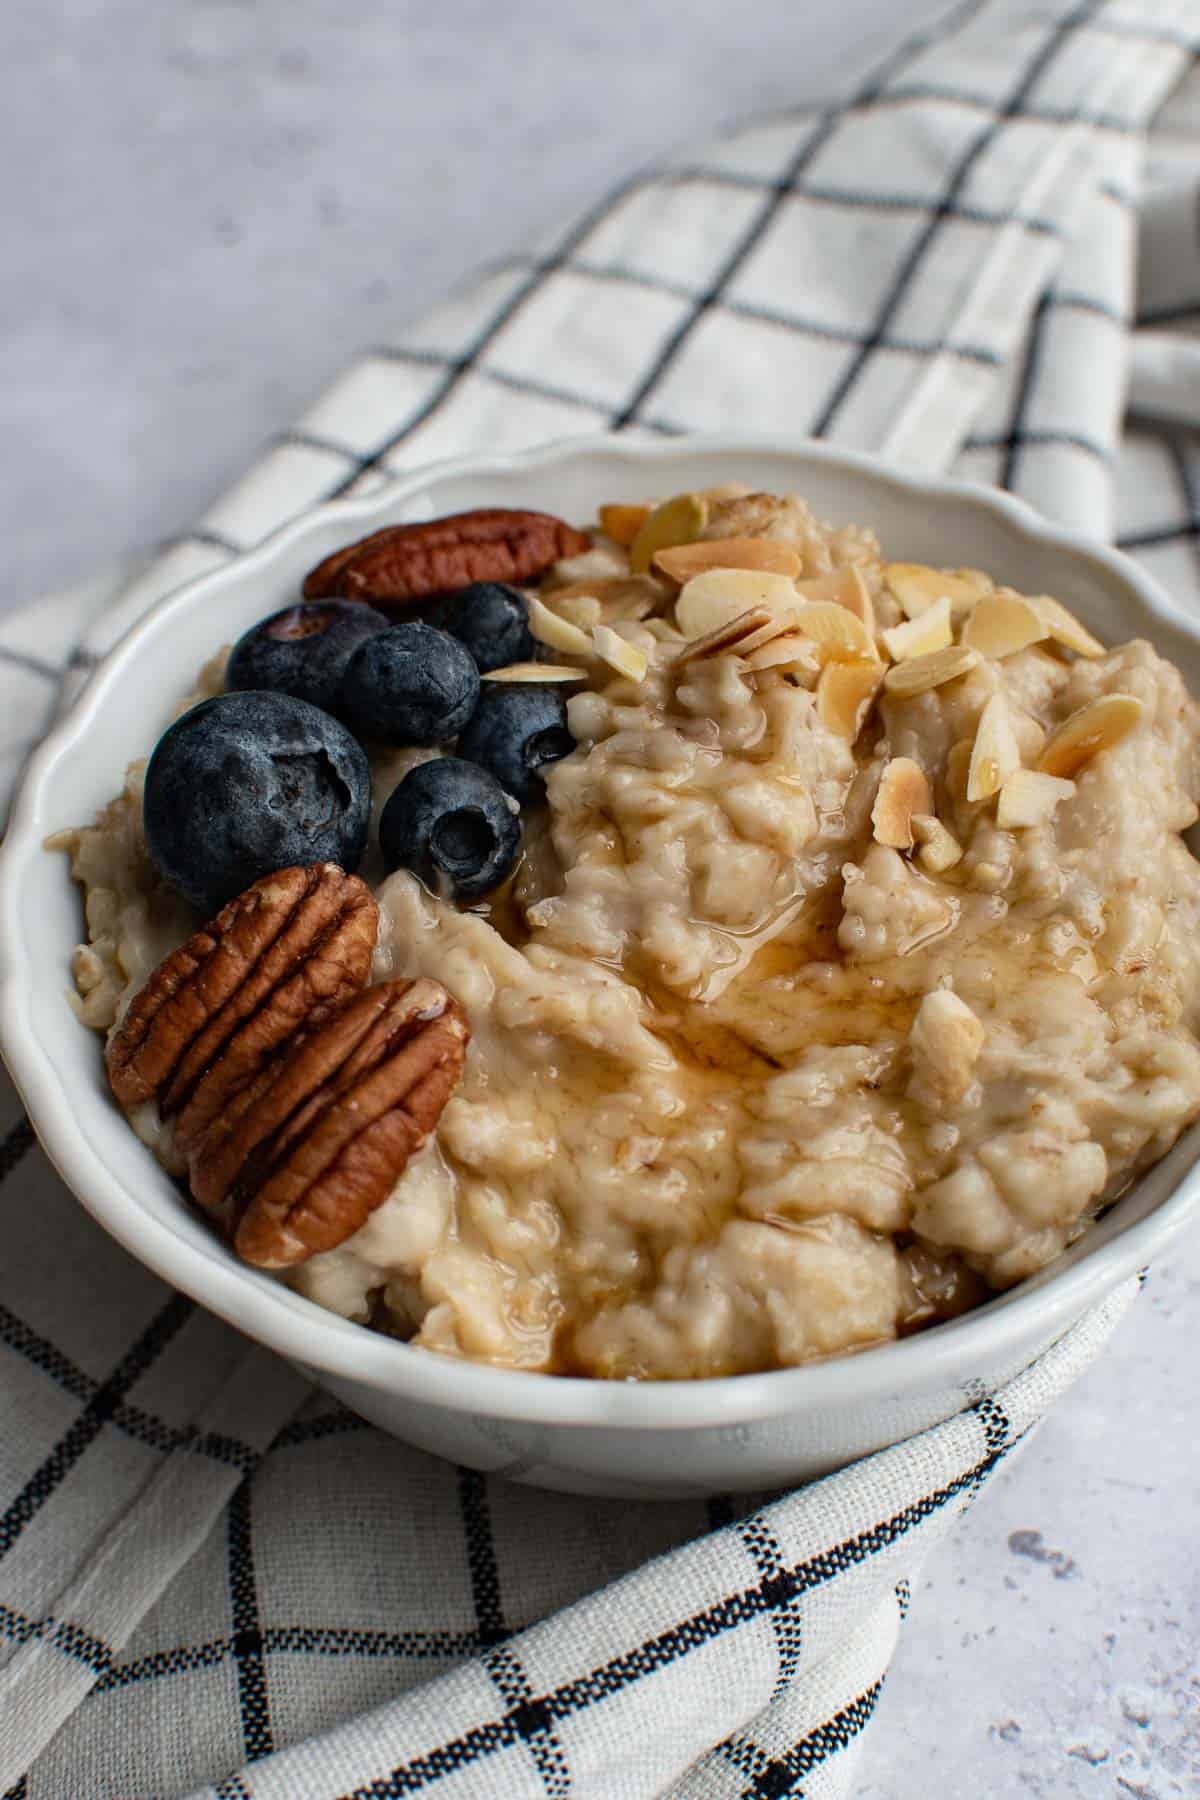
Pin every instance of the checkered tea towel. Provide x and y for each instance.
(213, 1582)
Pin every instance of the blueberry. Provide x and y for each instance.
(410, 685)
(452, 825)
(515, 731)
(303, 650)
(492, 621)
(248, 783)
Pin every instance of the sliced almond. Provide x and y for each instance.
(1029, 798)
(929, 631)
(783, 623)
(903, 791)
(845, 587)
(726, 491)
(821, 587)
(853, 593)
(994, 754)
(940, 849)
(677, 521)
(622, 523)
(958, 768)
(839, 634)
(787, 650)
(727, 636)
(1064, 627)
(548, 628)
(946, 1039)
(920, 673)
(844, 695)
(628, 659)
(535, 672)
(1029, 734)
(710, 600)
(1097, 726)
(768, 555)
(916, 587)
(1002, 624)
(623, 596)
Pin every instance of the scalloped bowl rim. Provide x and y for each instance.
(323, 1342)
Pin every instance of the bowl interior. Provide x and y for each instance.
(58, 1063)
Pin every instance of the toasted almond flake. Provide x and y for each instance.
(727, 636)
(1064, 627)
(726, 491)
(940, 849)
(1001, 624)
(844, 695)
(853, 593)
(534, 672)
(768, 555)
(821, 587)
(921, 673)
(783, 623)
(677, 521)
(1029, 797)
(929, 631)
(958, 767)
(1028, 733)
(838, 633)
(787, 650)
(628, 659)
(1097, 726)
(710, 600)
(622, 523)
(588, 603)
(548, 628)
(916, 587)
(601, 562)
(946, 1039)
(994, 755)
(903, 791)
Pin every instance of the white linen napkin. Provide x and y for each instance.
(210, 1582)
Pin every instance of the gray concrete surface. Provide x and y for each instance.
(208, 206)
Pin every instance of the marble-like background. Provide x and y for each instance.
(208, 206)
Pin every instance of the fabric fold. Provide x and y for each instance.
(804, 1599)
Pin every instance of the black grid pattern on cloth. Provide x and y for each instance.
(767, 1553)
(96, 1413)
(775, 1776)
(105, 1403)
(1184, 527)
(764, 1598)
(482, 1562)
(1017, 438)
(285, 1640)
(881, 89)
(254, 1709)
(828, 122)
(1058, 35)
(529, 1717)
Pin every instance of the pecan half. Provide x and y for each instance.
(310, 1149)
(403, 564)
(280, 956)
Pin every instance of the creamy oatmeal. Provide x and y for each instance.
(837, 987)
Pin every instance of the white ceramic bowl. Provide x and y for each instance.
(749, 1431)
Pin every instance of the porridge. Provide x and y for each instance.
(830, 956)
